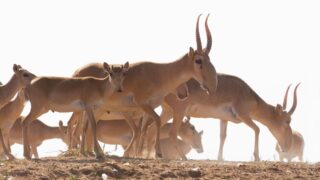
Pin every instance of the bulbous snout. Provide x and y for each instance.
(210, 86)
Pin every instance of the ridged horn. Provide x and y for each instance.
(198, 38)
(295, 100)
(209, 37)
(284, 105)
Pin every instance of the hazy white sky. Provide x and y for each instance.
(269, 44)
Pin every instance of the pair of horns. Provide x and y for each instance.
(208, 33)
(295, 100)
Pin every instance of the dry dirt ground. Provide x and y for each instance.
(71, 167)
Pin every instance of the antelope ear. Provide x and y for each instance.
(187, 119)
(191, 52)
(126, 66)
(201, 133)
(106, 67)
(279, 109)
(16, 67)
(182, 92)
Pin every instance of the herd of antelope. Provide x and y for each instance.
(115, 104)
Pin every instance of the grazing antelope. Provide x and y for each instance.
(71, 95)
(38, 133)
(147, 84)
(19, 80)
(233, 101)
(295, 150)
(8, 115)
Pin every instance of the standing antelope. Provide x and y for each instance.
(38, 133)
(19, 80)
(147, 84)
(295, 150)
(71, 95)
(233, 101)
(8, 115)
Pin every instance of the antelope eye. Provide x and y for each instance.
(111, 74)
(25, 75)
(199, 61)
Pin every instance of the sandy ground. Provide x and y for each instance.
(71, 167)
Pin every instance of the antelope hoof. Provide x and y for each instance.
(184, 158)
(27, 157)
(220, 159)
(100, 157)
(126, 154)
(11, 157)
(159, 155)
(256, 159)
(83, 154)
(91, 154)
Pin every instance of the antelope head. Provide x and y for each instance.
(282, 129)
(24, 76)
(116, 75)
(204, 71)
(63, 132)
(191, 136)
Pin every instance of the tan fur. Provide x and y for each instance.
(233, 101)
(8, 115)
(38, 133)
(295, 150)
(19, 80)
(161, 79)
(118, 132)
(71, 95)
(168, 150)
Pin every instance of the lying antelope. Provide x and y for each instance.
(118, 132)
(168, 150)
(295, 150)
(147, 84)
(71, 95)
(19, 80)
(39, 132)
(186, 131)
(233, 101)
(8, 115)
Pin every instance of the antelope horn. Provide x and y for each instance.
(199, 46)
(209, 37)
(295, 101)
(284, 105)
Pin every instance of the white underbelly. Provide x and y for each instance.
(73, 106)
(224, 111)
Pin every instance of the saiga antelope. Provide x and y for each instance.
(71, 95)
(38, 133)
(295, 150)
(190, 138)
(147, 84)
(118, 132)
(8, 115)
(19, 80)
(233, 101)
